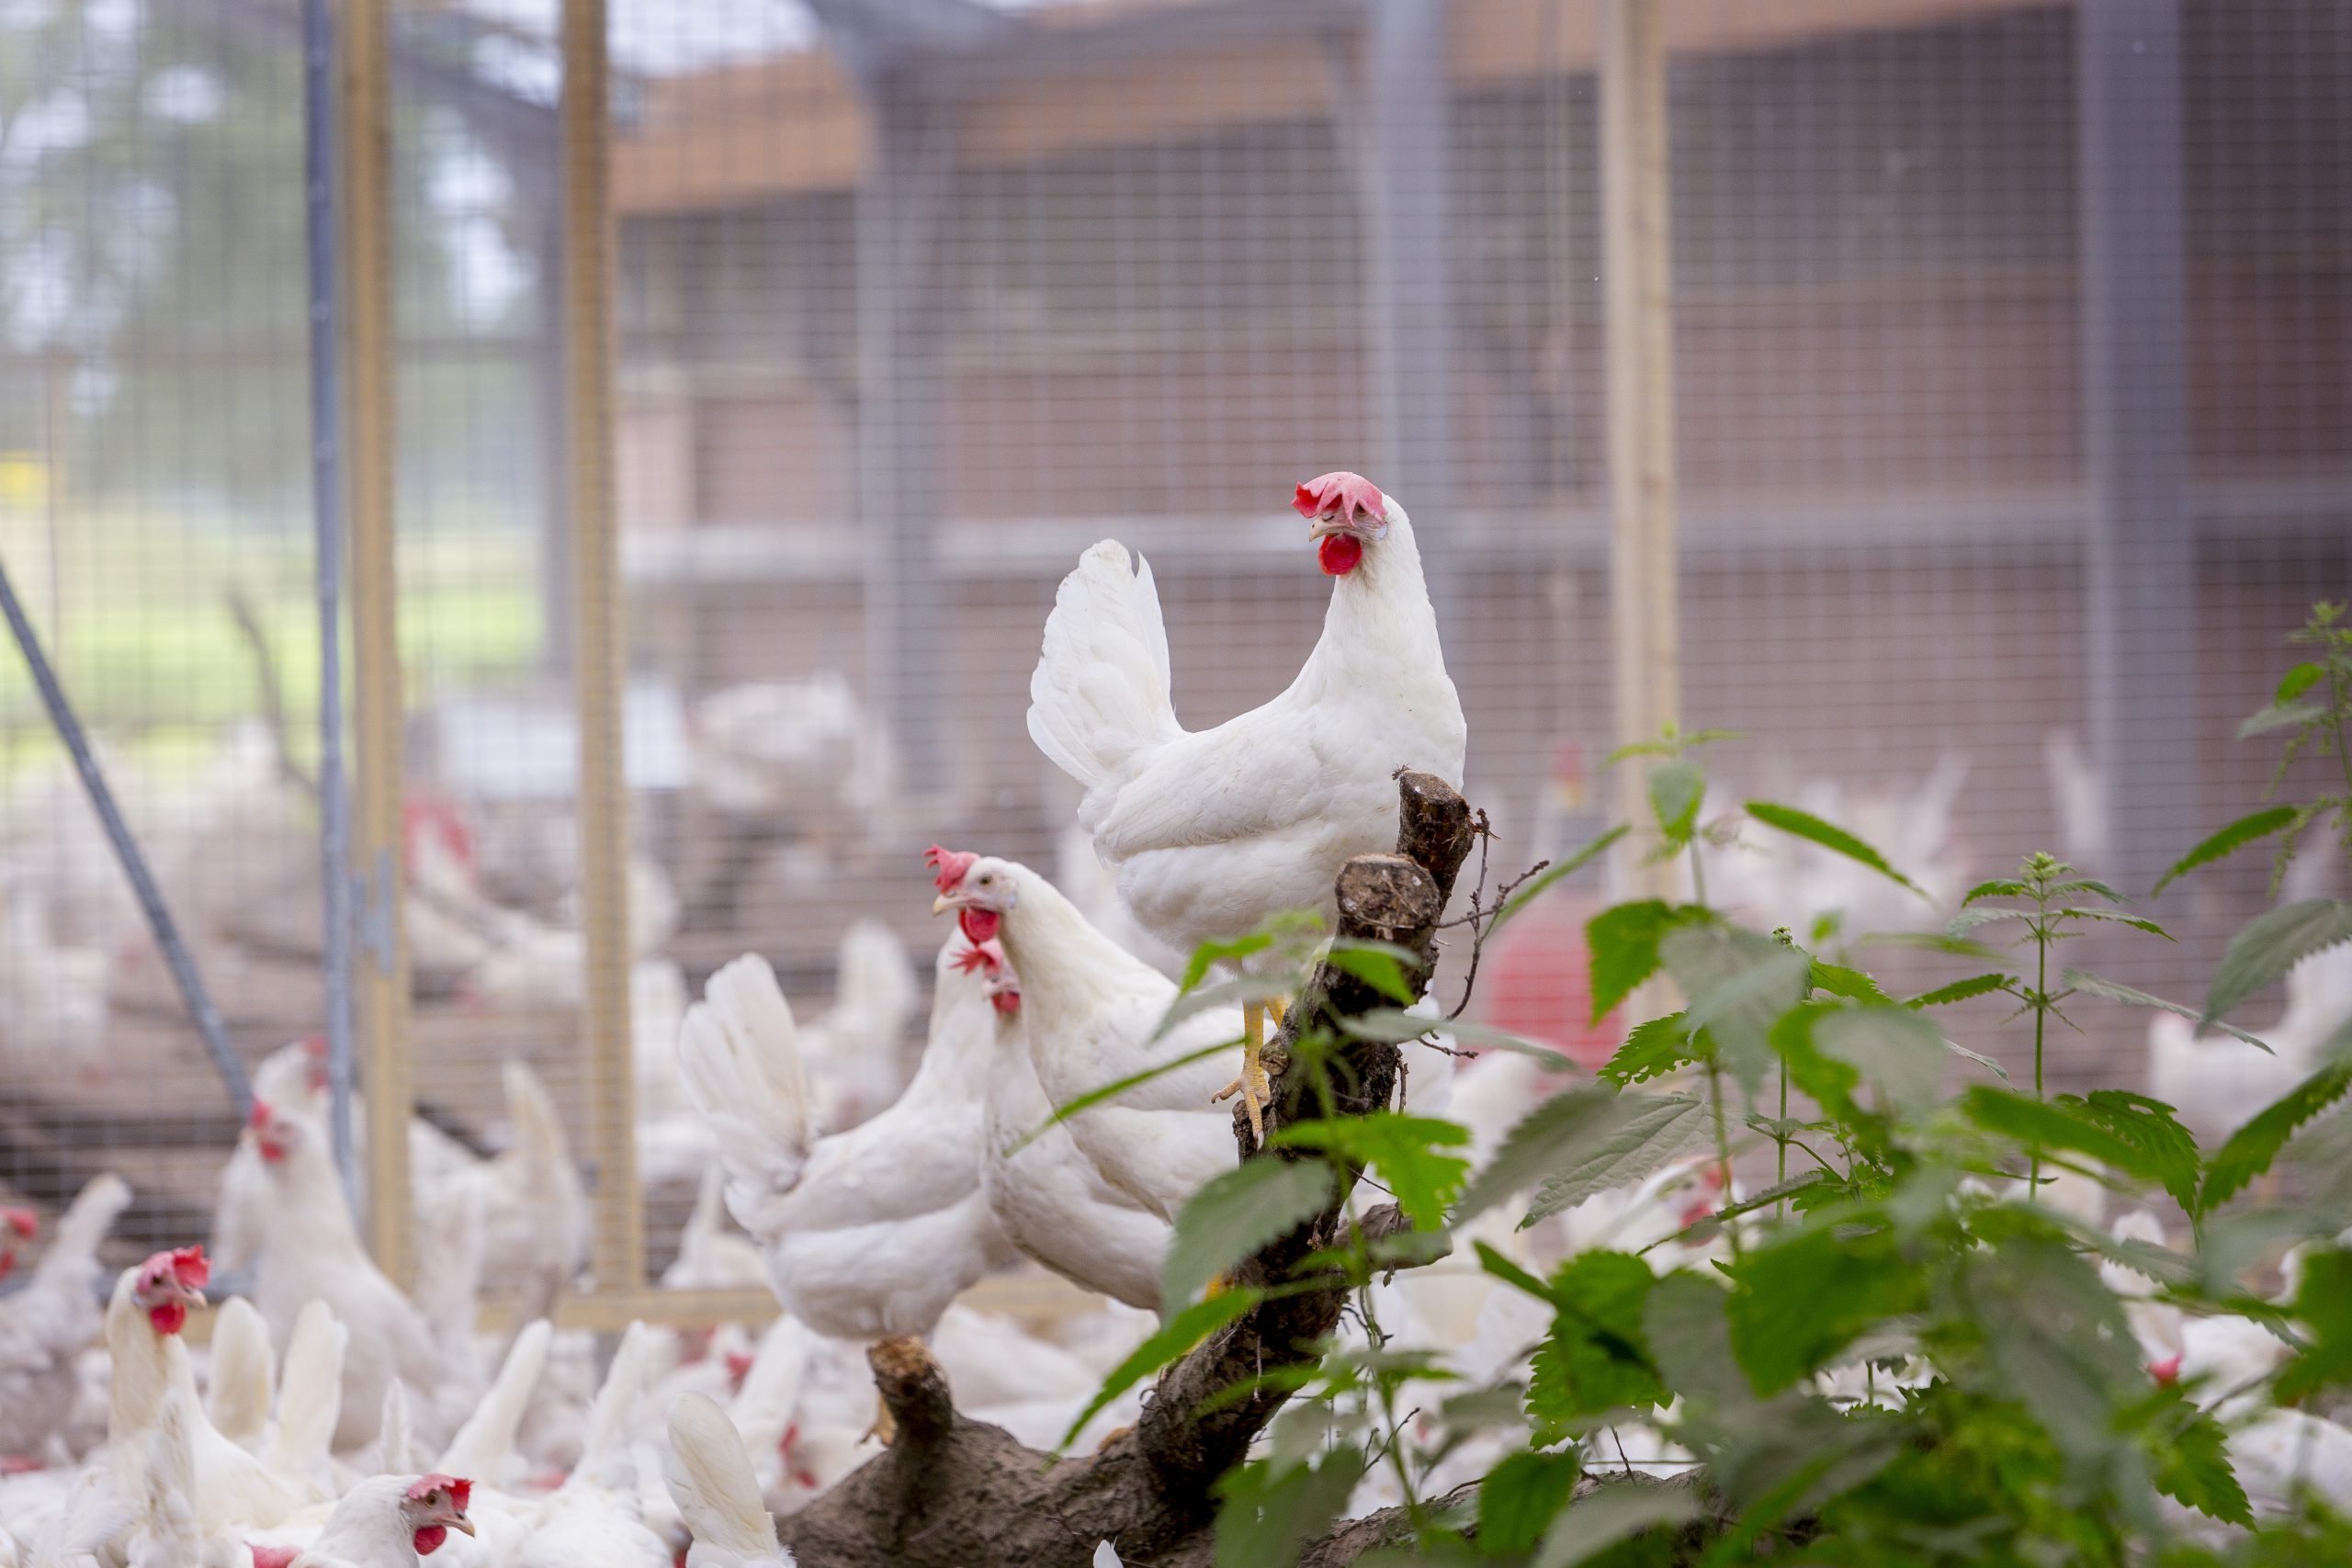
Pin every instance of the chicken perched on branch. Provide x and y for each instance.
(1091, 1012)
(1209, 832)
(868, 1231)
(1052, 1202)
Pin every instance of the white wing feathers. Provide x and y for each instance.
(739, 1056)
(483, 1449)
(243, 1371)
(310, 1394)
(1100, 695)
(710, 1478)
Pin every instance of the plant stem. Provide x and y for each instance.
(1723, 1149)
(2041, 1019)
(1781, 1170)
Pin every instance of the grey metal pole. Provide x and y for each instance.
(126, 850)
(326, 481)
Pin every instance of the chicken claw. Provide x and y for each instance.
(1253, 1085)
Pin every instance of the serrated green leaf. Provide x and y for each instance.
(2137, 922)
(1834, 1049)
(2055, 1338)
(2279, 715)
(1960, 990)
(1377, 964)
(1269, 1517)
(2195, 1471)
(2167, 1150)
(1402, 1151)
(1641, 1134)
(2246, 831)
(1739, 984)
(1677, 788)
(2271, 943)
(2298, 681)
(2323, 1307)
(1829, 836)
(1999, 887)
(1182, 1332)
(1290, 926)
(1931, 941)
(1520, 1496)
(1548, 1134)
(1235, 1214)
(1837, 980)
(1622, 942)
(1970, 919)
(2129, 1133)
(2252, 1148)
(1798, 1302)
(2093, 985)
(1610, 1516)
(1541, 883)
(1597, 1358)
(1653, 1050)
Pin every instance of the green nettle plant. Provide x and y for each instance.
(1901, 1351)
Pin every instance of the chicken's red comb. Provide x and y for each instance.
(24, 1222)
(949, 866)
(1342, 495)
(190, 1266)
(272, 1556)
(970, 961)
(315, 1045)
(423, 1486)
(259, 1116)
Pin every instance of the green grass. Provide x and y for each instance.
(135, 613)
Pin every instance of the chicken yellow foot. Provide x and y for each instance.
(1253, 1085)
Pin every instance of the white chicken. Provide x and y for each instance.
(2219, 1084)
(869, 1232)
(1054, 1206)
(44, 1326)
(1091, 1012)
(595, 1520)
(710, 1477)
(386, 1521)
(1210, 833)
(855, 1053)
(314, 1254)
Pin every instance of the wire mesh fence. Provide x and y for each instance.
(912, 311)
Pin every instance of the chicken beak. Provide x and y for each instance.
(942, 904)
(459, 1522)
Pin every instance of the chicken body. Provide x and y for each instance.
(2220, 1084)
(1209, 832)
(45, 1327)
(313, 1253)
(1091, 1010)
(869, 1232)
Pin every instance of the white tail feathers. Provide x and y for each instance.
(538, 1128)
(605, 1460)
(763, 1407)
(71, 1257)
(244, 1369)
(483, 1449)
(738, 1052)
(310, 1393)
(1100, 693)
(710, 1479)
(876, 974)
(396, 1434)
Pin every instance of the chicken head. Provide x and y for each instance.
(170, 1282)
(1345, 512)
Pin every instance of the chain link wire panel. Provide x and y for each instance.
(916, 303)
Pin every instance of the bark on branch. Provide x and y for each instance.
(953, 1493)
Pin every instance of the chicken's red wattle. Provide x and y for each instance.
(1340, 553)
(979, 924)
(428, 1539)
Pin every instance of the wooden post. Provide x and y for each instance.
(380, 994)
(1637, 296)
(599, 648)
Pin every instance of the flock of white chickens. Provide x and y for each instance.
(341, 1421)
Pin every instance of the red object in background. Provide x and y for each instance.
(1536, 981)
